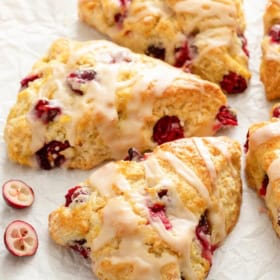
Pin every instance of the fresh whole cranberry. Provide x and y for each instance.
(156, 52)
(203, 235)
(79, 77)
(274, 33)
(157, 210)
(182, 55)
(276, 112)
(264, 185)
(79, 247)
(77, 194)
(233, 83)
(25, 82)
(225, 117)
(168, 128)
(49, 155)
(45, 111)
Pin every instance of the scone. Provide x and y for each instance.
(204, 37)
(159, 216)
(270, 64)
(263, 164)
(86, 102)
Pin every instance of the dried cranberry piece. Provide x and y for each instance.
(233, 83)
(25, 82)
(168, 128)
(156, 52)
(203, 235)
(246, 145)
(276, 112)
(274, 33)
(263, 188)
(79, 247)
(45, 111)
(79, 77)
(157, 210)
(49, 155)
(244, 44)
(162, 193)
(134, 155)
(182, 55)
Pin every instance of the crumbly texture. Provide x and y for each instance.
(203, 37)
(270, 63)
(86, 102)
(262, 165)
(157, 218)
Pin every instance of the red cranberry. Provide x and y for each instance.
(77, 194)
(182, 55)
(78, 78)
(156, 52)
(233, 83)
(276, 112)
(25, 82)
(80, 248)
(225, 117)
(246, 145)
(162, 193)
(263, 188)
(274, 33)
(203, 235)
(157, 210)
(244, 44)
(45, 111)
(134, 155)
(168, 128)
(49, 155)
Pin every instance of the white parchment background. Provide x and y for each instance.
(27, 28)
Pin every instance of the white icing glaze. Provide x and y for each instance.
(263, 134)
(187, 173)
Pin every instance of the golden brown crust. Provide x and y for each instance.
(114, 219)
(101, 118)
(210, 35)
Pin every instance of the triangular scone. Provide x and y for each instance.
(159, 217)
(86, 102)
(263, 164)
(204, 37)
(270, 64)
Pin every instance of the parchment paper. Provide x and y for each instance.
(27, 28)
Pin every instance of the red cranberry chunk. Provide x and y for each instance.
(134, 155)
(182, 55)
(274, 33)
(25, 82)
(244, 44)
(168, 128)
(233, 83)
(203, 235)
(76, 194)
(45, 111)
(119, 18)
(156, 52)
(78, 78)
(79, 246)
(162, 193)
(157, 210)
(276, 112)
(263, 188)
(227, 117)
(246, 145)
(49, 155)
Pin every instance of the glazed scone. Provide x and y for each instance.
(263, 164)
(86, 102)
(159, 216)
(204, 37)
(270, 63)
